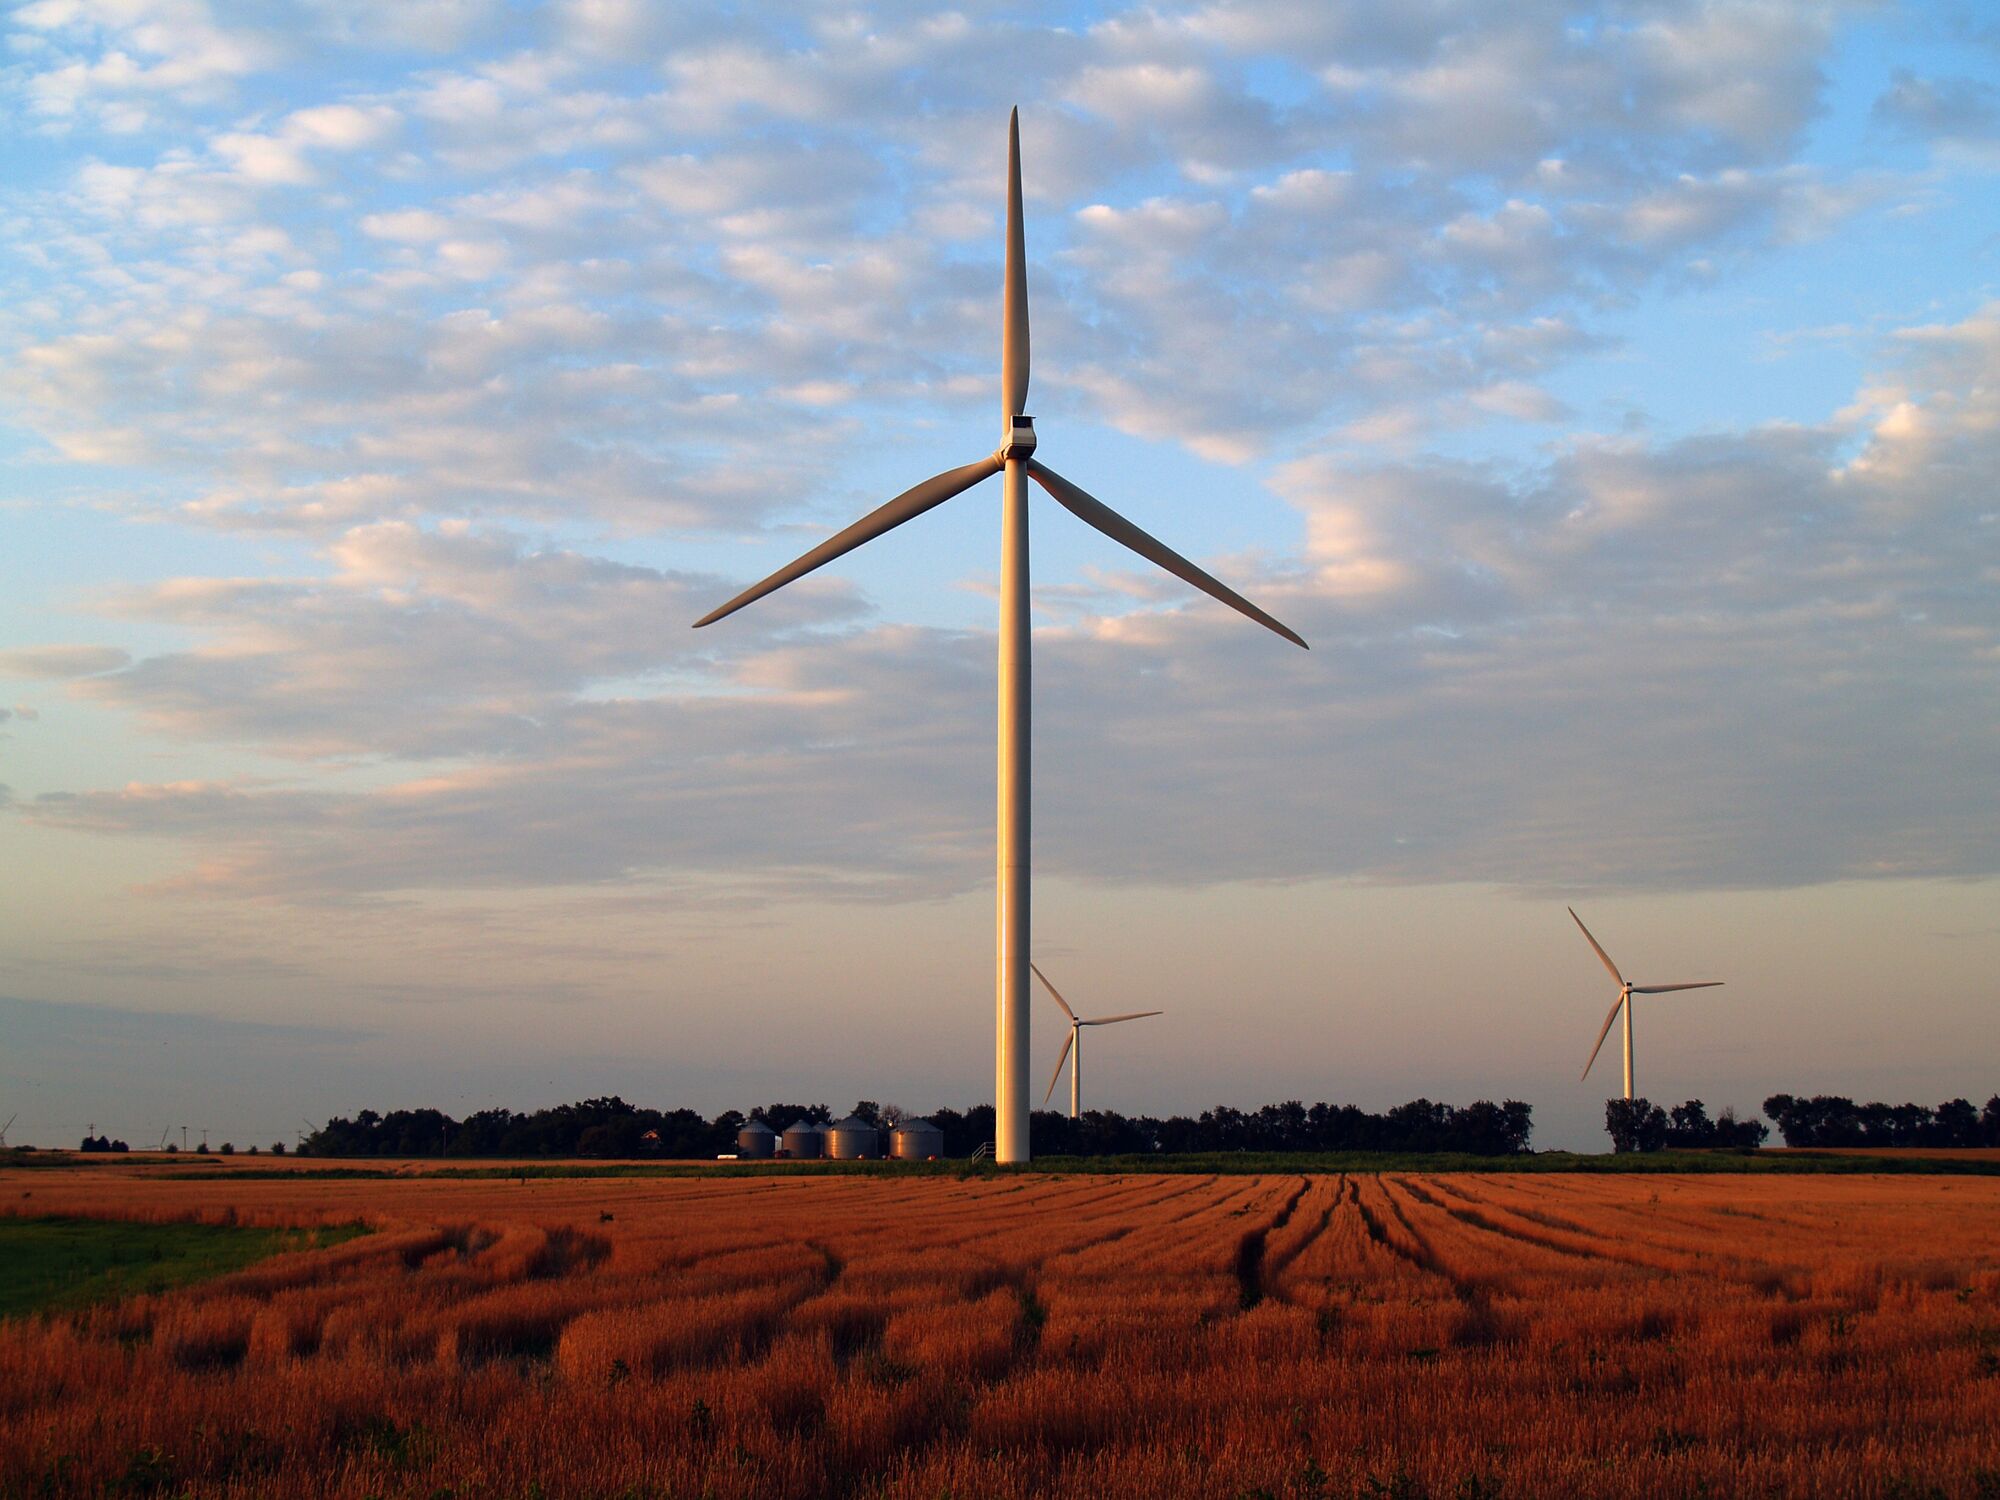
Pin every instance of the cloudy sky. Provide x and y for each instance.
(1610, 393)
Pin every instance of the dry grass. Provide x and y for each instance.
(1405, 1335)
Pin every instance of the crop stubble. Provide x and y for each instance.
(1470, 1334)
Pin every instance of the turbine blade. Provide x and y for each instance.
(1094, 512)
(1128, 1016)
(912, 502)
(1014, 294)
(1605, 1032)
(1056, 1077)
(1593, 943)
(1661, 989)
(1052, 991)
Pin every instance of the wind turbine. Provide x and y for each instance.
(1014, 460)
(7, 1127)
(1073, 1044)
(1626, 990)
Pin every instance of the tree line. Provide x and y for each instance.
(1830, 1120)
(611, 1127)
(1641, 1125)
(1823, 1120)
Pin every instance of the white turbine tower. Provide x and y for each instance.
(1072, 1051)
(1626, 990)
(1014, 459)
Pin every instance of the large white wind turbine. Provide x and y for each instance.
(1072, 1051)
(1015, 460)
(1626, 990)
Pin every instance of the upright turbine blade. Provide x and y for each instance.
(1605, 1032)
(1056, 1077)
(1661, 989)
(1094, 512)
(1128, 1016)
(1600, 952)
(912, 502)
(1054, 993)
(1014, 295)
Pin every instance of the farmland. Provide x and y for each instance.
(1395, 1334)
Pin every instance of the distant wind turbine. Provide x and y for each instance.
(1072, 1051)
(1626, 990)
(7, 1127)
(1015, 459)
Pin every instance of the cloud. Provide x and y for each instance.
(451, 341)
(281, 157)
(421, 644)
(567, 264)
(1812, 626)
(1956, 114)
(113, 64)
(784, 191)
(60, 662)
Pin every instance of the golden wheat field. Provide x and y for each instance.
(1398, 1335)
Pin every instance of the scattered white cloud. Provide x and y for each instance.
(512, 292)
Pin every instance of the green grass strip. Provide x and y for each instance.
(58, 1264)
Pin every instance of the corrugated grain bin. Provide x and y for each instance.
(854, 1139)
(916, 1140)
(757, 1140)
(805, 1141)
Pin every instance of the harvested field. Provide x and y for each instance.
(1378, 1335)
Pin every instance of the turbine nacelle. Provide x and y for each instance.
(1019, 442)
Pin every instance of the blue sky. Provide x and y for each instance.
(1607, 392)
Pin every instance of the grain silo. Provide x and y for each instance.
(805, 1141)
(916, 1140)
(853, 1139)
(756, 1141)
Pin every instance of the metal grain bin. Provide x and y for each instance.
(805, 1141)
(916, 1140)
(853, 1139)
(757, 1141)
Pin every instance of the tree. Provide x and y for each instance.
(782, 1117)
(1955, 1123)
(1730, 1131)
(1635, 1124)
